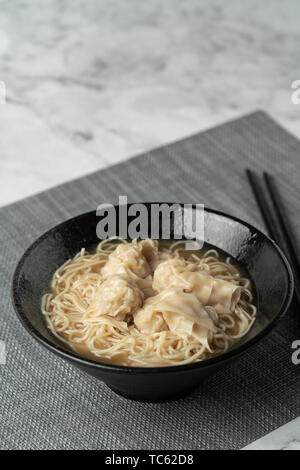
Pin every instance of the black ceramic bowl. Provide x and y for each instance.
(256, 253)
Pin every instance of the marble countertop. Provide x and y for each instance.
(91, 83)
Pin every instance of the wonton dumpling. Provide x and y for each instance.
(149, 321)
(224, 296)
(220, 294)
(149, 249)
(116, 297)
(174, 273)
(126, 257)
(179, 311)
(168, 274)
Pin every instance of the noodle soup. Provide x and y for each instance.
(144, 303)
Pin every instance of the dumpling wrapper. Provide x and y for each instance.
(117, 296)
(224, 296)
(149, 249)
(220, 294)
(178, 311)
(127, 257)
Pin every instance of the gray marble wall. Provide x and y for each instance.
(91, 82)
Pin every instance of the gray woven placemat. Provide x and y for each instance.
(46, 403)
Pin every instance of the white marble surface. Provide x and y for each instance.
(90, 83)
(285, 438)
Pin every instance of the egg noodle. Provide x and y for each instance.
(93, 333)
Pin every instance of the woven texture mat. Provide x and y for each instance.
(46, 403)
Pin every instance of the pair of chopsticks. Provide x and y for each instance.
(276, 221)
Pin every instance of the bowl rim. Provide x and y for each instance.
(113, 368)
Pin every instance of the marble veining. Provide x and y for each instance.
(90, 83)
(284, 438)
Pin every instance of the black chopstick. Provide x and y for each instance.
(277, 224)
(282, 221)
(263, 206)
